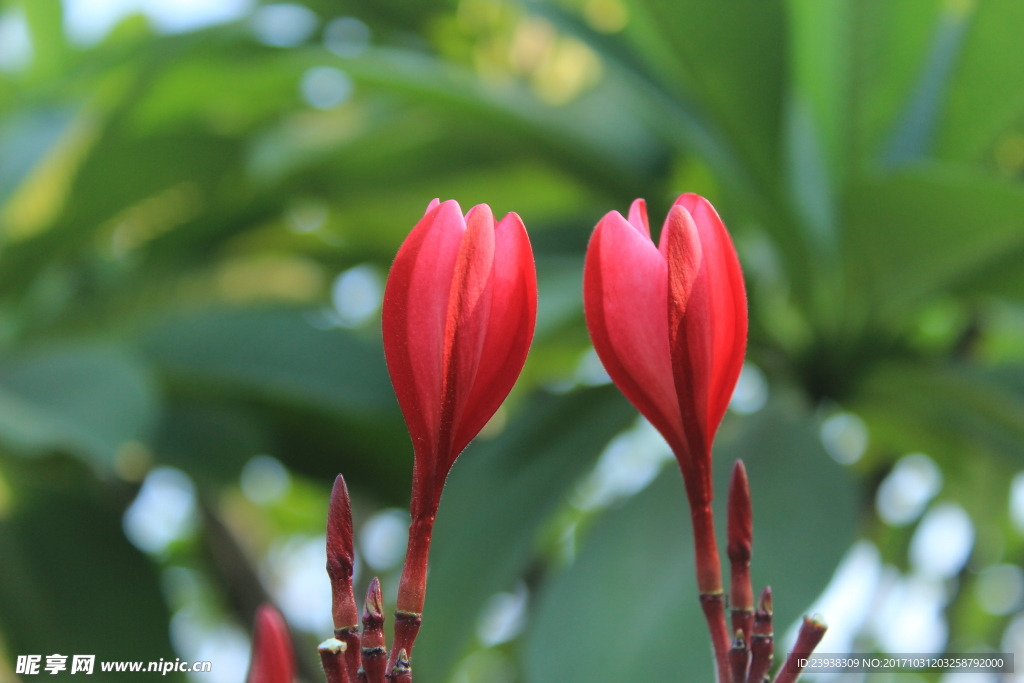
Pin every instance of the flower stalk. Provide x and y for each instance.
(812, 630)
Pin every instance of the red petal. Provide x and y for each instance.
(726, 329)
(638, 216)
(625, 296)
(272, 658)
(413, 318)
(509, 330)
(469, 312)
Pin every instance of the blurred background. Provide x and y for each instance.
(199, 201)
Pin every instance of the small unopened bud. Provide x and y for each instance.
(332, 657)
(812, 630)
(739, 658)
(374, 648)
(402, 673)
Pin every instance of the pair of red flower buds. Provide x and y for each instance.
(669, 322)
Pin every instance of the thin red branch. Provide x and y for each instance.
(739, 659)
(741, 536)
(811, 632)
(332, 657)
(374, 646)
(762, 642)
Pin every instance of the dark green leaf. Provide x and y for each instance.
(627, 608)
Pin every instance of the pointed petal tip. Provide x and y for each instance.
(638, 216)
(434, 203)
(374, 604)
(765, 603)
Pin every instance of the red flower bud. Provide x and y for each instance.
(459, 312)
(272, 658)
(670, 323)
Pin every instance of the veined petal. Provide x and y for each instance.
(469, 311)
(413, 318)
(510, 328)
(625, 295)
(687, 328)
(726, 304)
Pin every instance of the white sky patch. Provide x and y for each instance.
(265, 480)
(846, 602)
(357, 294)
(284, 24)
(845, 437)
(346, 36)
(199, 638)
(87, 22)
(15, 41)
(383, 538)
(299, 582)
(942, 543)
(325, 87)
(164, 510)
(751, 392)
(503, 617)
(630, 462)
(908, 488)
(909, 616)
(590, 370)
(1017, 501)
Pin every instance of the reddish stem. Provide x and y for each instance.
(762, 642)
(332, 657)
(713, 605)
(374, 646)
(811, 632)
(709, 582)
(412, 590)
(739, 659)
(740, 536)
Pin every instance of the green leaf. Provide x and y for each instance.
(25, 138)
(986, 95)
(498, 497)
(627, 607)
(921, 231)
(734, 65)
(277, 355)
(70, 583)
(947, 412)
(86, 400)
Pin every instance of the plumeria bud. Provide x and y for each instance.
(458, 316)
(740, 536)
(374, 649)
(669, 323)
(273, 660)
(459, 312)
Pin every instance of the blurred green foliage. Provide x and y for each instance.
(175, 209)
